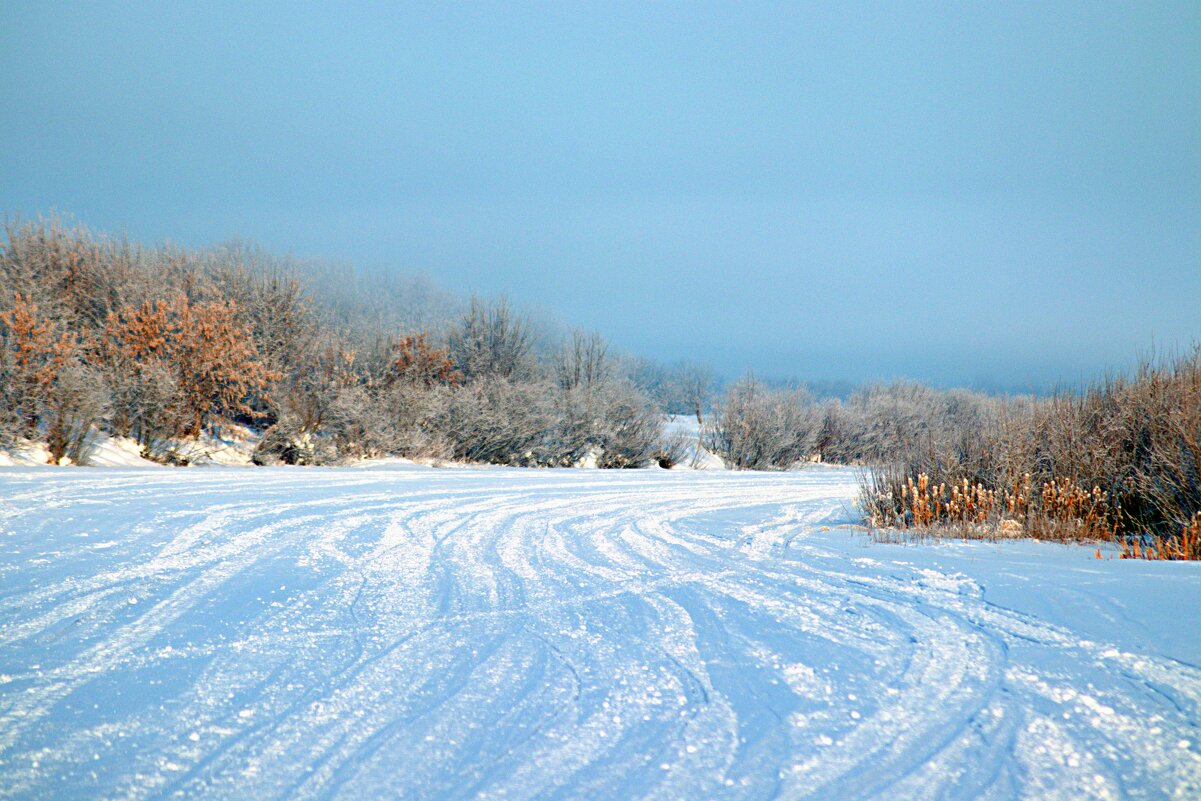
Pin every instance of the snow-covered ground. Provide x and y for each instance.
(235, 447)
(411, 632)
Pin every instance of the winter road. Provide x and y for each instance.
(451, 634)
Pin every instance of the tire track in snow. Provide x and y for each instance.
(357, 634)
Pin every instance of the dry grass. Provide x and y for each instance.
(1185, 547)
(1119, 461)
(1063, 511)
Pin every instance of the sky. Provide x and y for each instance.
(991, 194)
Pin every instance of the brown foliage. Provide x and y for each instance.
(43, 381)
(207, 348)
(414, 360)
(33, 355)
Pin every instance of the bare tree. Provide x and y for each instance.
(583, 362)
(697, 384)
(491, 341)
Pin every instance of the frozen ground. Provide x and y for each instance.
(468, 633)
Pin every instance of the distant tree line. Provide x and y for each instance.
(163, 343)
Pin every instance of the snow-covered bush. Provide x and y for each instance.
(632, 428)
(674, 448)
(492, 341)
(71, 408)
(758, 428)
(496, 420)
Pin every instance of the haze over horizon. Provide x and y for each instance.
(1005, 196)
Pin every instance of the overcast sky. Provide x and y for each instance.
(1005, 193)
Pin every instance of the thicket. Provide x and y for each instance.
(100, 334)
(1120, 459)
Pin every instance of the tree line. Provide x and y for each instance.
(1119, 458)
(160, 344)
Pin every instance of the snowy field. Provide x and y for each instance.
(417, 633)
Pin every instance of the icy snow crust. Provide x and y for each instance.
(440, 634)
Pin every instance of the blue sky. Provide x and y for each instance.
(994, 193)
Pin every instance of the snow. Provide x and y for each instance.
(410, 632)
(696, 457)
(110, 451)
(26, 454)
(231, 447)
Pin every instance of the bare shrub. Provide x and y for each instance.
(1120, 459)
(72, 408)
(582, 363)
(33, 353)
(1168, 474)
(143, 399)
(697, 384)
(631, 427)
(496, 420)
(757, 428)
(308, 397)
(673, 449)
(45, 384)
(598, 414)
(74, 275)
